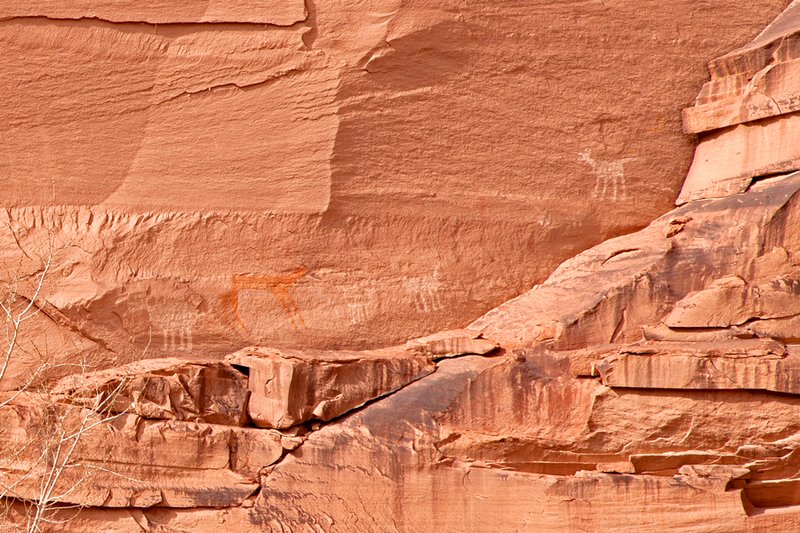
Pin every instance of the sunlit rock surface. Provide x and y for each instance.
(251, 243)
(214, 175)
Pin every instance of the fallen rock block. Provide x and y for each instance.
(289, 387)
(169, 389)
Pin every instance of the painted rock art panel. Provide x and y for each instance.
(427, 154)
(397, 266)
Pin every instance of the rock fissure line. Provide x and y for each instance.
(145, 26)
(233, 85)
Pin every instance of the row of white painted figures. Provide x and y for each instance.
(176, 326)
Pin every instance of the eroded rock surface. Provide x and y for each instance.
(171, 389)
(289, 387)
(215, 175)
(293, 386)
(683, 434)
(695, 430)
(651, 382)
(746, 114)
(126, 460)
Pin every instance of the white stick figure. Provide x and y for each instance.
(426, 291)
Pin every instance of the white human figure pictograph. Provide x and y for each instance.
(176, 324)
(425, 291)
(359, 302)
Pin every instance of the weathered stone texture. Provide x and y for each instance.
(216, 175)
(334, 179)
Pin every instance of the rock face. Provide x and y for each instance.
(128, 461)
(637, 380)
(651, 382)
(289, 387)
(165, 389)
(214, 175)
(764, 365)
(683, 434)
(746, 114)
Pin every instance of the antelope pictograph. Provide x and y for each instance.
(277, 285)
(609, 176)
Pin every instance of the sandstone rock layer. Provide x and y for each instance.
(746, 114)
(276, 177)
(215, 175)
(637, 380)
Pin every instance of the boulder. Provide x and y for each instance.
(170, 389)
(289, 387)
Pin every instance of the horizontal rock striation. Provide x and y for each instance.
(746, 115)
(638, 379)
(651, 382)
(221, 174)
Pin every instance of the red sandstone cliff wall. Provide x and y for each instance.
(189, 180)
(220, 174)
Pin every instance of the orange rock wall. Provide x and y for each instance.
(310, 181)
(218, 174)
